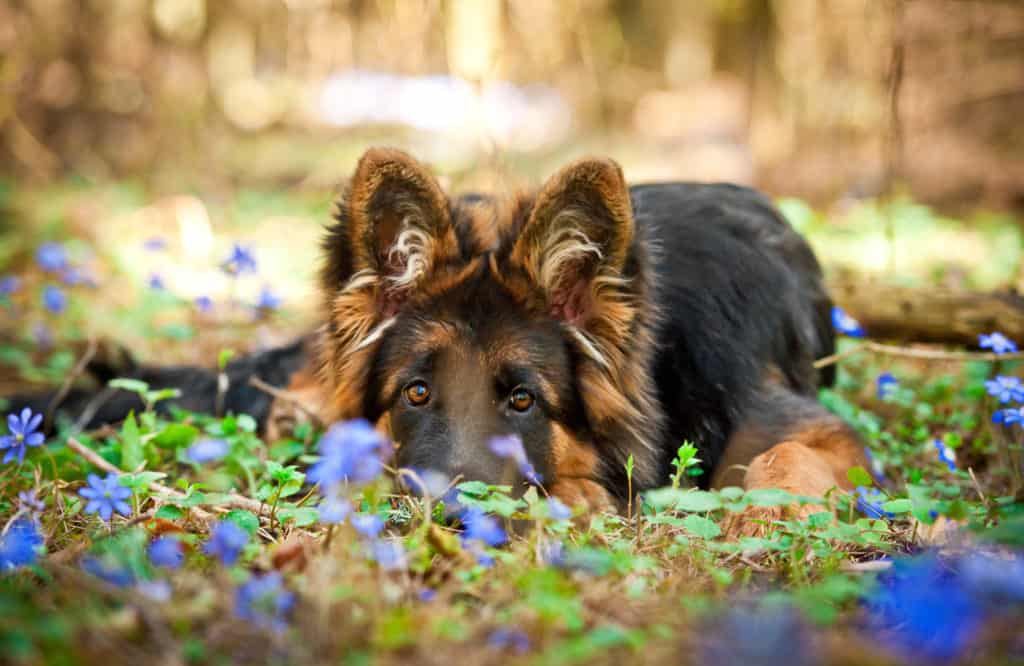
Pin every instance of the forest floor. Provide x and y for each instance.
(218, 549)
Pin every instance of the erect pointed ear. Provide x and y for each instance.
(576, 243)
(393, 226)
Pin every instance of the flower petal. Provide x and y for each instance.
(106, 510)
(93, 506)
(123, 508)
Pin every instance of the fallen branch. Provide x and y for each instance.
(929, 314)
(233, 501)
(916, 353)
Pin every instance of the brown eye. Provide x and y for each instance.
(417, 393)
(520, 400)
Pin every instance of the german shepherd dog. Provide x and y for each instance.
(594, 320)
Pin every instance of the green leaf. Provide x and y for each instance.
(133, 385)
(153, 397)
(770, 497)
(247, 520)
(701, 527)
(301, 516)
(858, 476)
(131, 444)
(246, 423)
(169, 512)
(176, 436)
(898, 506)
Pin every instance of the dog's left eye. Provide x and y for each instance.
(520, 400)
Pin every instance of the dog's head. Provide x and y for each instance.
(450, 322)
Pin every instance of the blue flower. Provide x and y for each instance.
(154, 244)
(108, 571)
(29, 502)
(166, 552)
(869, 502)
(240, 261)
(426, 595)
(946, 454)
(263, 602)
(557, 510)
(367, 524)
(106, 496)
(155, 282)
(334, 510)
(350, 451)
(51, 257)
(208, 450)
(481, 527)
(9, 284)
(23, 431)
(997, 580)
(512, 640)
(268, 299)
(511, 447)
(1008, 416)
(997, 342)
(20, 545)
(226, 542)
(74, 276)
(203, 303)
(922, 611)
(886, 385)
(846, 324)
(388, 554)
(427, 481)
(1005, 389)
(54, 299)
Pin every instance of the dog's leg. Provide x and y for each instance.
(800, 448)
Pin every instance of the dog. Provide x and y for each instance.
(598, 322)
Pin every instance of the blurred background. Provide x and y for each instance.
(147, 137)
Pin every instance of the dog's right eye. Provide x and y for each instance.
(417, 393)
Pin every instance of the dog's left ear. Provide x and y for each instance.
(576, 243)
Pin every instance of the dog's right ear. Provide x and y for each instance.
(393, 228)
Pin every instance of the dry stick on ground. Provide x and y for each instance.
(920, 354)
(232, 501)
(75, 373)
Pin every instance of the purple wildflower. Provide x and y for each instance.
(869, 502)
(997, 342)
(264, 602)
(351, 451)
(155, 244)
(156, 282)
(208, 450)
(20, 545)
(54, 299)
(240, 261)
(51, 257)
(367, 524)
(29, 502)
(334, 510)
(268, 300)
(1005, 389)
(557, 510)
(23, 432)
(886, 385)
(481, 527)
(166, 552)
(106, 496)
(203, 303)
(846, 324)
(9, 284)
(226, 542)
(388, 554)
(512, 640)
(946, 454)
(511, 447)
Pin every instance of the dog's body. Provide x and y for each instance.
(594, 321)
